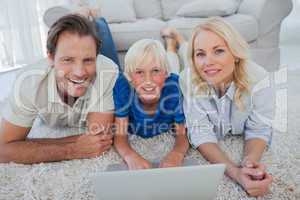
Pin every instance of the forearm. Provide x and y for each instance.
(181, 144)
(64, 140)
(122, 146)
(121, 138)
(254, 148)
(212, 153)
(29, 152)
(100, 122)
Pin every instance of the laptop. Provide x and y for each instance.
(197, 182)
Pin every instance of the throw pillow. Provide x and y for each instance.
(170, 7)
(203, 8)
(54, 13)
(117, 11)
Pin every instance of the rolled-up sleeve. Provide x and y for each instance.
(20, 108)
(102, 90)
(260, 121)
(179, 114)
(200, 129)
(122, 94)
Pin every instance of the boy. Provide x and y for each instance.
(148, 102)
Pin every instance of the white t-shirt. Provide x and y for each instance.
(35, 95)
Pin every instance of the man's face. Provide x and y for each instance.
(75, 63)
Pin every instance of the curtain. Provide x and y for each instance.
(22, 31)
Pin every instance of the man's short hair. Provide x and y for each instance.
(72, 23)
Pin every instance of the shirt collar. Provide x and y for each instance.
(229, 93)
(52, 88)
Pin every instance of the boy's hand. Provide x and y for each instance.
(135, 161)
(173, 159)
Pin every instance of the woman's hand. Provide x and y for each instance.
(254, 188)
(261, 168)
(173, 159)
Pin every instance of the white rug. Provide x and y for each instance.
(69, 180)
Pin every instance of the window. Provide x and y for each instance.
(22, 31)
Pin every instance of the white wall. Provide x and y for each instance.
(290, 39)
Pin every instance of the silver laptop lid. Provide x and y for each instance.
(179, 183)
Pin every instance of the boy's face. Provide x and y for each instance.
(148, 80)
(75, 64)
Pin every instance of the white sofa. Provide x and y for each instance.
(258, 21)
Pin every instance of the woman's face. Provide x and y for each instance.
(148, 80)
(213, 59)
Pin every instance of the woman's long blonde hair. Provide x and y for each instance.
(239, 49)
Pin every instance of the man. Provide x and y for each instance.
(75, 90)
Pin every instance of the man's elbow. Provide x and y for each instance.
(4, 153)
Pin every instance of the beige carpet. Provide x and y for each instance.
(72, 179)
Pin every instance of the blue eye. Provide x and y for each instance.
(219, 51)
(200, 54)
(139, 72)
(89, 60)
(156, 71)
(67, 60)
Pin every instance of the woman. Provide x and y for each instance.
(224, 95)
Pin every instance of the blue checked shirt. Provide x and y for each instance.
(210, 118)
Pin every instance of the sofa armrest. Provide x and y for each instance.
(269, 13)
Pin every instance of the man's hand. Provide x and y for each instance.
(173, 159)
(88, 145)
(253, 187)
(135, 161)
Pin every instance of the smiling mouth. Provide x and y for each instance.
(211, 72)
(149, 89)
(78, 82)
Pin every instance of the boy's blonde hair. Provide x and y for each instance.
(238, 47)
(142, 50)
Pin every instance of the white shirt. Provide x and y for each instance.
(35, 94)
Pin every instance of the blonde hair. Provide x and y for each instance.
(140, 51)
(237, 46)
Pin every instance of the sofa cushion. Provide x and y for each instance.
(54, 13)
(245, 24)
(117, 11)
(148, 8)
(170, 7)
(203, 8)
(125, 34)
